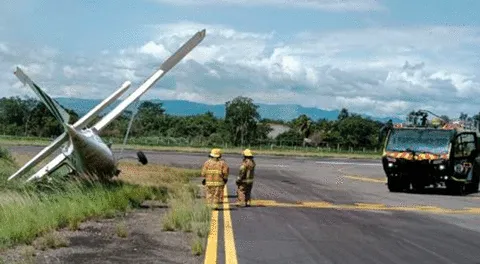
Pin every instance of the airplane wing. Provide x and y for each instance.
(41, 155)
(164, 68)
(50, 167)
(59, 113)
(92, 114)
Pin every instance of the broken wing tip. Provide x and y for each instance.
(17, 69)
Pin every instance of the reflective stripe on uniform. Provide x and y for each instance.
(214, 183)
(214, 176)
(247, 173)
(212, 171)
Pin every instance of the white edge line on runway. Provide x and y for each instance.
(275, 165)
(348, 163)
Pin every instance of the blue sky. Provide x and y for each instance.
(379, 57)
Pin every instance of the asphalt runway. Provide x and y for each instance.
(332, 211)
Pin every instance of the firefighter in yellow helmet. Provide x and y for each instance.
(215, 173)
(245, 178)
(436, 122)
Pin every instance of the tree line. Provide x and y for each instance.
(242, 125)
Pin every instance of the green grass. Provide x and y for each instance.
(277, 151)
(20, 141)
(33, 212)
(189, 214)
(24, 215)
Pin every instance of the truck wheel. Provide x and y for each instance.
(395, 184)
(474, 185)
(418, 187)
(457, 188)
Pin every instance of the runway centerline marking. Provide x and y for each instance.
(230, 250)
(212, 242)
(365, 179)
(365, 207)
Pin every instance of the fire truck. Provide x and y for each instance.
(442, 154)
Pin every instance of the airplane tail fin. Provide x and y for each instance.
(58, 112)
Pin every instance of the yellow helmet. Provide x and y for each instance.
(436, 121)
(216, 153)
(247, 153)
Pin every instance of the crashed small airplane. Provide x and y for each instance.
(85, 152)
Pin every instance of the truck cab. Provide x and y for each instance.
(425, 156)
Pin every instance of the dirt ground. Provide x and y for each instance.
(101, 241)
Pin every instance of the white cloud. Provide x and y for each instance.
(4, 48)
(152, 48)
(377, 71)
(327, 5)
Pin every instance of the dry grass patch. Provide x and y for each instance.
(186, 212)
(51, 240)
(121, 229)
(156, 175)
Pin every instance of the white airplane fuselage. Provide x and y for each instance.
(90, 155)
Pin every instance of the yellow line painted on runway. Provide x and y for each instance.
(366, 207)
(230, 250)
(370, 205)
(366, 179)
(212, 242)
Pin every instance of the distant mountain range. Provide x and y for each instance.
(183, 108)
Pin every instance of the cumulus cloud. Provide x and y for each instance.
(377, 71)
(326, 5)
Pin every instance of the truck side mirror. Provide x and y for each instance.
(382, 133)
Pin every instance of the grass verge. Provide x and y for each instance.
(32, 213)
(28, 213)
(187, 212)
(300, 152)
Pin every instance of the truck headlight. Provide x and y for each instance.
(441, 167)
(390, 164)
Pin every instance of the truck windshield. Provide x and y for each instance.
(420, 140)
